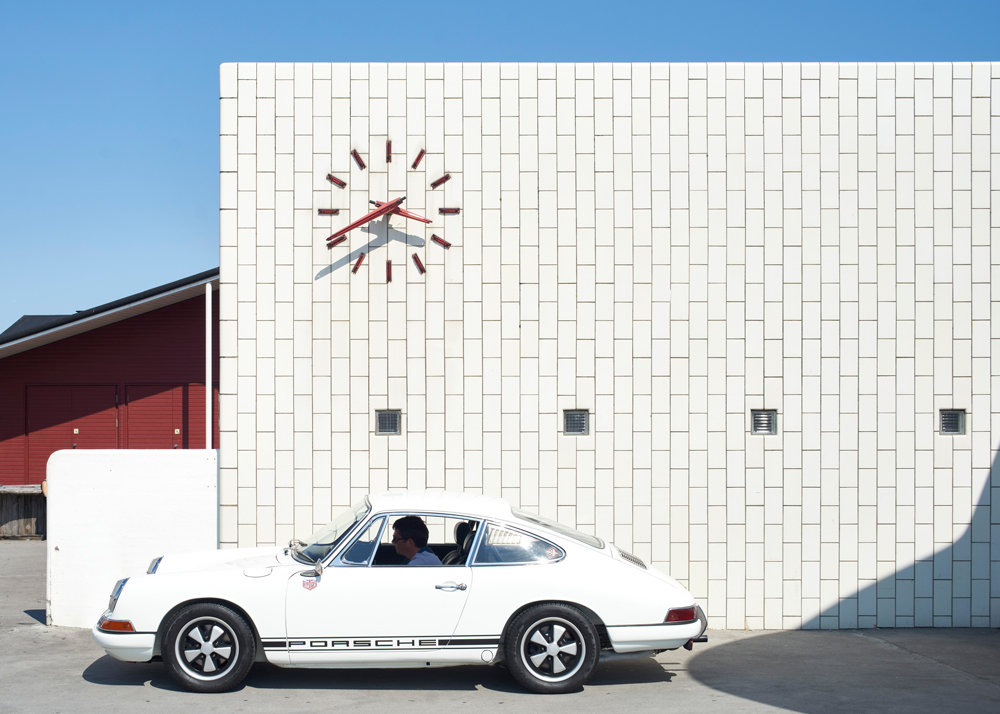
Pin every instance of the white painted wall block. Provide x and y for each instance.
(110, 512)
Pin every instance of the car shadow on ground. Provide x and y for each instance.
(108, 671)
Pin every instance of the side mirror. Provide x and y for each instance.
(316, 571)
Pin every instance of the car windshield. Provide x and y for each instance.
(320, 543)
(558, 527)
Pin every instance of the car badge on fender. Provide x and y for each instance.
(552, 552)
(309, 583)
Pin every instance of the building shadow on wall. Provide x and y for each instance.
(867, 669)
(383, 234)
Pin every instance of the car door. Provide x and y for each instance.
(359, 614)
(513, 567)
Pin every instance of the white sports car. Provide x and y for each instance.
(547, 600)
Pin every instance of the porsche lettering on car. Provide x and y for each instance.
(512, 587)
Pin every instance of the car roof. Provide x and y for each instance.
(442, 502)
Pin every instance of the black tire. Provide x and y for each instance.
(208, 648)
(551, 648)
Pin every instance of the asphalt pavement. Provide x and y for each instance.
(54, 669)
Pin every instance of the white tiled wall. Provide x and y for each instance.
(668, 246)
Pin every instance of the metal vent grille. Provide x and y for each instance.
(953, 421)
(631, 558)
(387, 421)
(577, 421)
(763, 421)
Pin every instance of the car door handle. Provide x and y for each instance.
(451, 587)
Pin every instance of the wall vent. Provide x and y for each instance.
(953, 422)
(764, 421)
(387, 421)
(576, 422)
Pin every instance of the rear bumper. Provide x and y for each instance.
(662, 636)
(125, 646)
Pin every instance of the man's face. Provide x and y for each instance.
(406, 548)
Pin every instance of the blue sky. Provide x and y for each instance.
(109, 110)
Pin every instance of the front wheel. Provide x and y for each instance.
(208, 648)
(551, 648)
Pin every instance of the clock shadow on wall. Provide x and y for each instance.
(383, 233)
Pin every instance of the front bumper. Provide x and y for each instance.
(662, 636)
(125, 646)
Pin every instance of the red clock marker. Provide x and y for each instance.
(416, 161)
(420, 266)
(443, 179)
(388, 271)
(329, 211)
(358, 264)
(336, 241)
(358, 159)
(441, 242)
(449, 211)
(336, 181)
(388, 151)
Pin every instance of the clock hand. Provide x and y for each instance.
(414, 216)
(403, 213)
(372, 215)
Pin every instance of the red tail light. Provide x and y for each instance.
(107, 625)
(681, 614)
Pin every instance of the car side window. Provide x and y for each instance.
(364, 545)
(508, 546)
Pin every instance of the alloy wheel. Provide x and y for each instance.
(553, 649)
(207, 648)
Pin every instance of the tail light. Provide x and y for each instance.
(106, 625)
(681, 614)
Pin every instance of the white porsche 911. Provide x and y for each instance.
(547, 600)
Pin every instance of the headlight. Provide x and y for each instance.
(154, 564)
(116, 593)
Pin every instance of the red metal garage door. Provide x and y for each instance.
(68, 417)
(167, 416)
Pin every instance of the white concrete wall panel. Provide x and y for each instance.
(110, 512)
(668, 246)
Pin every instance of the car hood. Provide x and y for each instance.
(227, 559)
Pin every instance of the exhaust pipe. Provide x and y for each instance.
(689, 645)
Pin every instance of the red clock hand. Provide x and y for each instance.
(404, 213)
(380, 211)
(414, 216)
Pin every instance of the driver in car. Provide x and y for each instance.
(409, 535)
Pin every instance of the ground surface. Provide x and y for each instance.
(51, 669)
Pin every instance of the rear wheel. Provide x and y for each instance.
(208, 648)
(551, 648)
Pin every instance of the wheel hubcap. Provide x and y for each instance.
(207, 648)
(553, 649)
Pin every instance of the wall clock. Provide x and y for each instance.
(388, 208)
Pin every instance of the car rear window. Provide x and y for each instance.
(558, 527)
(503, 545)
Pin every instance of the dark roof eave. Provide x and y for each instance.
(36, 327)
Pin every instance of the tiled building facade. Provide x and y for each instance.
(666, 246)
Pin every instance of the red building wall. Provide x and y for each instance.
(135, 384)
